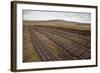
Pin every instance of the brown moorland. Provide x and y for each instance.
(56, 40)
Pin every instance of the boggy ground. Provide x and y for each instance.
(56, 40)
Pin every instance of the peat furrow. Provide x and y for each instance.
(83, 43)
(43, 52)
(69, 49)
(68, 33)
(62, 55)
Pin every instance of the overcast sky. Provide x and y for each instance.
(51, 15)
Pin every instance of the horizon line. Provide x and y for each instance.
(57, 20)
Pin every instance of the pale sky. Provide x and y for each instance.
(51, 15)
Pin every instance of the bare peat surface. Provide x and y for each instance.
(56, 41)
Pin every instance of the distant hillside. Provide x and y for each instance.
(59, 23)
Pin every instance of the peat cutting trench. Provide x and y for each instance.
(55, 44)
